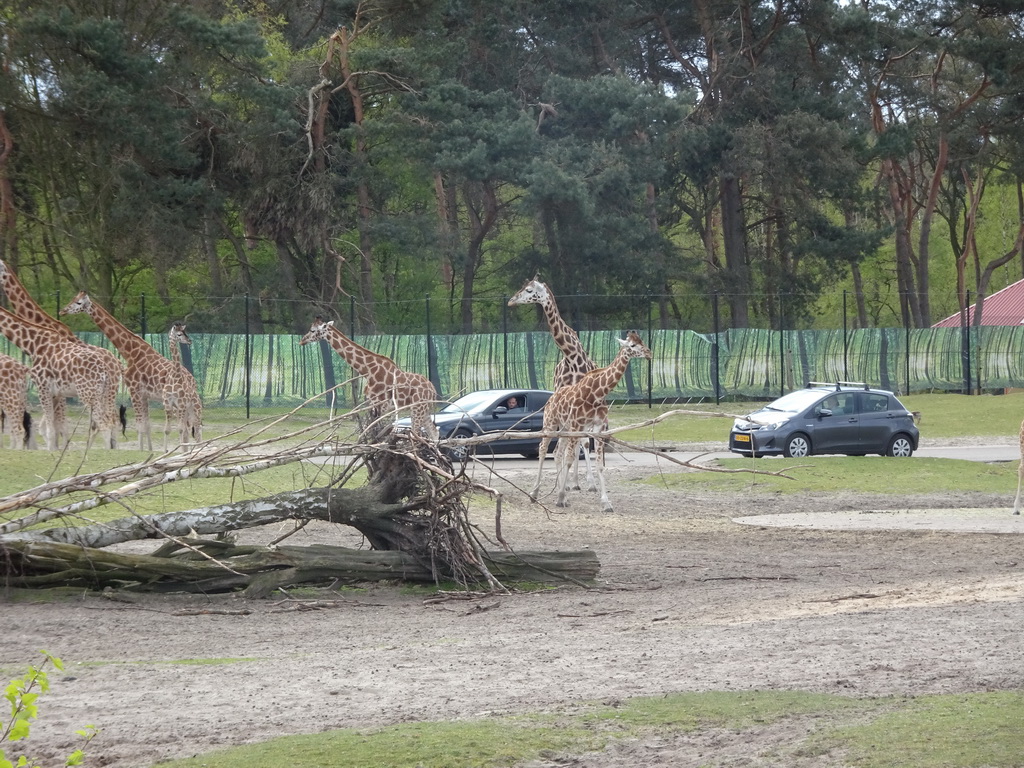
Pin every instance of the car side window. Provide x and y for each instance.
(876, 403)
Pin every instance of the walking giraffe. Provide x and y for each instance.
(575, 362)
(148, 374)
(189, 403)
(62, 369)
(581, 407)
(388, 388)
(16, 421)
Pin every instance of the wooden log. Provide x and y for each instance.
(259, 570)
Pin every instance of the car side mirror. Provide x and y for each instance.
(824, 412)
(500, 410)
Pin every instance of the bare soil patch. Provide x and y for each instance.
(688, 600)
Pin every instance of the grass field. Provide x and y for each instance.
(963, 730)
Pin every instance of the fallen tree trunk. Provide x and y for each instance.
(258, 570)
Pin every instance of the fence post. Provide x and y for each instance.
(504, 340)
(431, 358)
(142, 310)
(782, 349)
(248, 358)
(846, 365)
(906, 356)
(965, 345)
(716, 327)
(650, 341)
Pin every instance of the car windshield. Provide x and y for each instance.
(469, 403)
(795, 402)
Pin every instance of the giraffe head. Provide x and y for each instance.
(317, 331)
(177, 334)
(532, 292)
(79, 305)
(632, 346)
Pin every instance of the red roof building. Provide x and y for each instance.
(1005, 307)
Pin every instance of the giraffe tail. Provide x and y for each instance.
(122, 415)
(26, 422)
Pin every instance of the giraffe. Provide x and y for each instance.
(388, 388)
(148, 374)
(190, 405)
(581, 407)
(25, 306)
(62, 369)
(14, 378)
(575, 362)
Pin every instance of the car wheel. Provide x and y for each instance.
(797, 446)
(900, 446)
(461, 452)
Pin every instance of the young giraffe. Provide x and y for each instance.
(575, 362)
(148, 374)
(62, 369)
(14, 378)
(581, 407)
(190, 405)
(388, 388)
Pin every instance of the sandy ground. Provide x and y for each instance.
(689, 599)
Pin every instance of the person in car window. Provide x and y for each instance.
(513, 403)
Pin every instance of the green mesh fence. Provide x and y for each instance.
(274, 371)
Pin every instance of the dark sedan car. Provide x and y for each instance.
(828, 418)
(490, 411)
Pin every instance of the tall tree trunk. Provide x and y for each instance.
(735, 247)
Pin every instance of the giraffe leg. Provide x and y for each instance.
(140, 402)
(1020, 480)
(16, 428)
(606, 504)
(543, 451)
(563, 465)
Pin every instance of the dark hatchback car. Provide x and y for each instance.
(828, 418)
(494, 410)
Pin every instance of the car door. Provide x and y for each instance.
(499, 417)
(838, 432)
(876, 421)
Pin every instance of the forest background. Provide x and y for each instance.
(808, 163)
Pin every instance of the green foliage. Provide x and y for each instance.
(22, 694)
(968, 731)
(864, 474)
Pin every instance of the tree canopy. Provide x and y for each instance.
(307, 153)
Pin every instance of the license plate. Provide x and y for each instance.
(742, 438)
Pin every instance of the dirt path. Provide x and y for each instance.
(689, 600)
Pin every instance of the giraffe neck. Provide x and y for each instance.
(128, 344)
(25, 306)
(603, 380)
(363, 361)
(27, 336)
(565, 337)
(175, 351)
